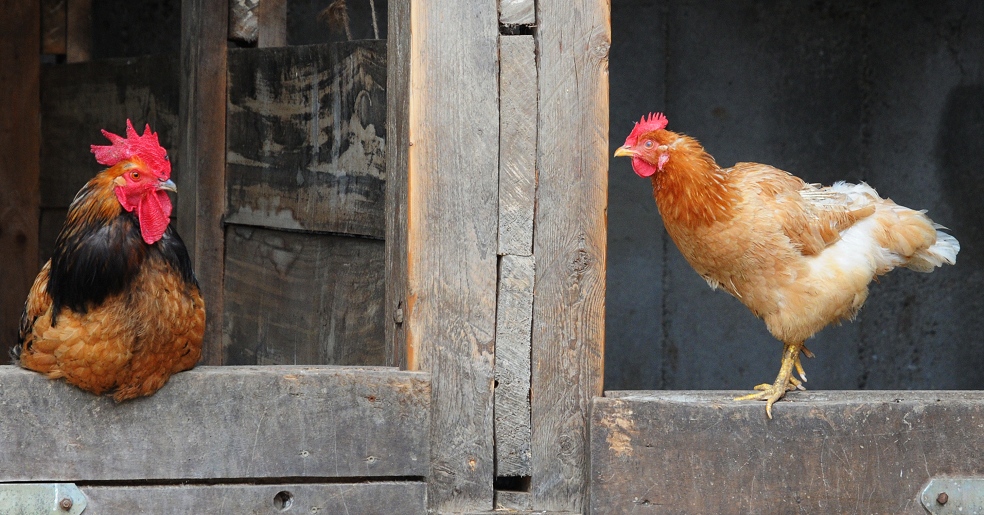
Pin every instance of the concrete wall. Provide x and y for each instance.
(891, 93)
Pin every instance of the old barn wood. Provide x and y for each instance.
(403, 248)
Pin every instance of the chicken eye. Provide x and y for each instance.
(649, 143)
(135, 175)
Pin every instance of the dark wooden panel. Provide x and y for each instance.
(20, 26)
(78, 47)
(824, 452)
(569, 245)
(219, 422)
(307, 151)
(293, 298)
(344, 498)
(53, 26)
(80, 99)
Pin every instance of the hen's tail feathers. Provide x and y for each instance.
(944, 251)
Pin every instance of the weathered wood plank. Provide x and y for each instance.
(570, 244)
(341, 498)
(78, 48)
(397, 152)
(219, 422)
(516, 12)
(271, 21)
(80, 99)
(308, 149)
(302, 299)
(242, 21)
(20, 25)
(200, 167)
(824, 452)
(451, 242)
(517, 144)
(54, 23)
(513, 326)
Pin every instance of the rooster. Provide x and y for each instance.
(117, 307)
(799, 256)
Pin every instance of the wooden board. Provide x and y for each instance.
(80, 99)
(569, 245)
(271, 21)
(517, 144)
(340, 498)
(514, 321)
(293, 298)
(824, 452)
(78, 47)
(219, 422)
(53, 26)
(517, 12)
(200, 169)
(307, 152)
(451, 241)
(20, 25)
(242, 21)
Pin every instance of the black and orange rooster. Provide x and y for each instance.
(117, 307)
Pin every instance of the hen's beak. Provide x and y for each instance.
(624, 151)
(168, 185)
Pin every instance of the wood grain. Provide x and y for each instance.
(569, 244)
(271, 21)
(308, 149)
(200, 167)
(20, 131)
(376, 497)
(397, 152)
(451, 242)
(517, 144)
(302, 299)
(514, 321)
(824, 452)
(517, 12)
(219, 422)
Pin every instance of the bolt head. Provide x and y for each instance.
(66, 504)
(942, 498)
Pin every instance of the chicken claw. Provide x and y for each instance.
(785, 381)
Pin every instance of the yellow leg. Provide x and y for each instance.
(785, 381)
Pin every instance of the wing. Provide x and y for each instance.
(811, 216)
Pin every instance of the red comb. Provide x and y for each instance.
(145, 146)
(654, 122)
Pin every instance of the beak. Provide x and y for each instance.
(624, 151)
(168, 185)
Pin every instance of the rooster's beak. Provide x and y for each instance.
(625, 151)
(168, 185)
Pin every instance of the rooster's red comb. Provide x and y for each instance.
(654, 122)
(145, 146)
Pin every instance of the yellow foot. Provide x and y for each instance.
(785, 382)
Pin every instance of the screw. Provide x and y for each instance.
(942, 498)
(66, 504)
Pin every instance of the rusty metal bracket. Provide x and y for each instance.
(954, 495)
(41, 499)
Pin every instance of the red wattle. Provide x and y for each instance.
(154, 214)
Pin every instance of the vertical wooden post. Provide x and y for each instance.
(569, 245)
(20, 148)
(200, 170)
(452, 207)
(79, 31)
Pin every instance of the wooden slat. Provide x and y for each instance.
(824, 452)
(302, 299)
(20, 25)
(516, 12)
(514, 321)
(80, 99)
(342, 498)
(271, 21)
(79, 31)
(307, 151)
(517, 144)
(569, 243)
(451, 242)
(219, 422)
(200, 167)
(54, 23)
(397, 152)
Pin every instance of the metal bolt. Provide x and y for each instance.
(942, 498)
(66, 504)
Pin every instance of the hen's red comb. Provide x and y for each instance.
(654, 122)
(145, 146)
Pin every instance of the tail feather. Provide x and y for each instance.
(943, 251)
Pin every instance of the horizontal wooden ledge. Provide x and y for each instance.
(711, 397)
(220, 422)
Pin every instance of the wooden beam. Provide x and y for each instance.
(200, 167)
(376, 497)
(451, 241)
(79, 31)
(397, 152)
(20, 143)
(517, 144)
(569, 245)
(824, 452)
(271, 23)
(514, 321)
(214, 423)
